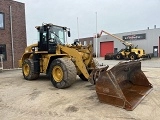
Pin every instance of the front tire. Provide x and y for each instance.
(28, 70)
(83, 77)
(62, 73)
(133, 56)
(89, 71)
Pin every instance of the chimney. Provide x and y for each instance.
(154, 26)
(148, 28)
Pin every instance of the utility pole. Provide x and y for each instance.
(96, 36)
(78, 28)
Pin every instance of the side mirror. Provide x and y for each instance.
(69, 34)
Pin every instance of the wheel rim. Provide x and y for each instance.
(57, 73)
(132, 57)
(26, 69)
(118, 56)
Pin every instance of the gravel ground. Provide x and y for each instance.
(38, 99)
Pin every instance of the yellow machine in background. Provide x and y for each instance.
(124, 85)
(129, 52)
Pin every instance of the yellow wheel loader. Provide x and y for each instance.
(63, 62)
(130, 52)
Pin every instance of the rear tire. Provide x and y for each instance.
(118, 57)
(62, 73)
(108, 57)
(28, 70)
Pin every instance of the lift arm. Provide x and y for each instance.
(121, 40)
(77, 58)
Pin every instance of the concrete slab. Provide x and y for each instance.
(38, 99)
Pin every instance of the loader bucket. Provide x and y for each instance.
(124, 85)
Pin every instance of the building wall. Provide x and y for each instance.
(152, 39)
(87, 41)
(16, 11)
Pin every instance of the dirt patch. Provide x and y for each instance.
(35, 94)
(71, 109)
(25, 100)
(92, 97)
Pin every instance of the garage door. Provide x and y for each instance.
(106, 47)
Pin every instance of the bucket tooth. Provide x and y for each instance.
(124, 85)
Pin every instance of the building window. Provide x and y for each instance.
(3, 51)
(1, 20)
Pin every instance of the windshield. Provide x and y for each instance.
(57, 33)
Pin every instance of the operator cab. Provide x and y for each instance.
(128, 49)
(50, 35)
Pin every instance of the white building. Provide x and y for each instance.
(148, 39)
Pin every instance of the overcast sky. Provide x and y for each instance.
(115, 16)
